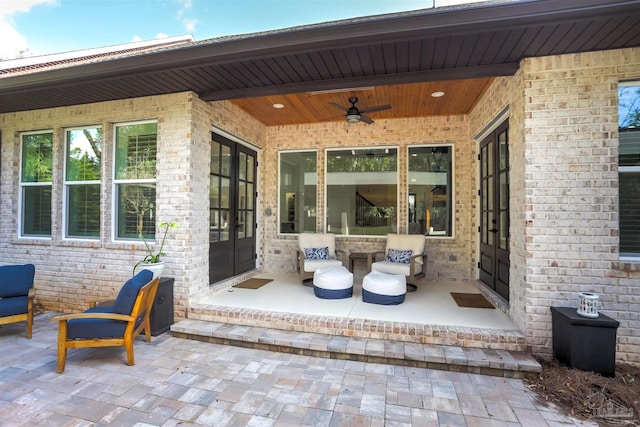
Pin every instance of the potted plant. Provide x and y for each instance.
(152, 260)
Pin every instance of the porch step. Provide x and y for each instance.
(495, 362)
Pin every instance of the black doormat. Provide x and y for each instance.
(471, 300)
(253, 283)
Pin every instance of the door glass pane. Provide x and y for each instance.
(242, 166)
(250, 168)
(225, 225)
(242, 195)
(225, 192)
(504, 190)
(214, 192)
(225, 161)
(250, 193)
(504, 229)
(504, 155)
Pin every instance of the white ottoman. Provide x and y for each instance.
(333, 283)
(383, 288)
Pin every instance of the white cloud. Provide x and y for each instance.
(12, 41)
(189, 24)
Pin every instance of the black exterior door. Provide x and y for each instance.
(232, 209)
(494, 210)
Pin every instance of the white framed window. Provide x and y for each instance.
(362, 191)
(82, 177)
(629, 168)
(36, 175)
(134, 179)
(430, 189)
(297, 192)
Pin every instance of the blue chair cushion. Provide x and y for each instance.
(16, 280)
(95, 328)
(129, 292)
(12, 306)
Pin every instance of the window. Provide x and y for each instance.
(135, 179)
(430, 187)
(362, 191)
(629, 168)
(35, 182)
(298, 182)
(83, 156)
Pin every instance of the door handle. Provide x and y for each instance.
(494, 230)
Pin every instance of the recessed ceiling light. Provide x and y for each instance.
(278, 106)
(437, 94)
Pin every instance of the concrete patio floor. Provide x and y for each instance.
(177, 381)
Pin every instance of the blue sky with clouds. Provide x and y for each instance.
(52, 26)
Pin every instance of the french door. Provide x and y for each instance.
(494, 210)
(232, 209)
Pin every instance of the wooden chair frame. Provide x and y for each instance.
(28, 316)
(141, 308)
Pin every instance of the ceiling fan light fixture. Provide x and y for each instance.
(353, 118)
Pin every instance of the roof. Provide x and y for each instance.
(475, 41)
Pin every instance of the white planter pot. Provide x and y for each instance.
(155, 268)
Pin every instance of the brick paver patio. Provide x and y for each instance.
(177, 381)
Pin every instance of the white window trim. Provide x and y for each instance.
(67, 184)
(114, 182)
(31, 184)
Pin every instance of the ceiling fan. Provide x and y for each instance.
(355, 115)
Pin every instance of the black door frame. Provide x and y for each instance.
(493, 157)
(232, 239)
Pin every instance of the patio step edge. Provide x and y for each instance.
(495, 362)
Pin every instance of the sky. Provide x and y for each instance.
(41, 27)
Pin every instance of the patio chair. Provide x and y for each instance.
(17, 294)
(317, 250)
(108, 326)
(405, 255)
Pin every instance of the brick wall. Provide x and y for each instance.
(70, 273)
(448, 257)
(564, 191)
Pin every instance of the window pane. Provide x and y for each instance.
(629, 168)
(297, 197)
(37, 157)
(84, 153)
(630, 213)
(83, 207)
(430, 186)
(136, 151)
(36, 212)
(362, 191)
(136, 210)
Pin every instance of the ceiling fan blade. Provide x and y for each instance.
(365, 119)
(338, 106)
(376, 108)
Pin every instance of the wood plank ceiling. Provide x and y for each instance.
(409, 100)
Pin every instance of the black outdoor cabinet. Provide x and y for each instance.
(161, 317)
(584, 343)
